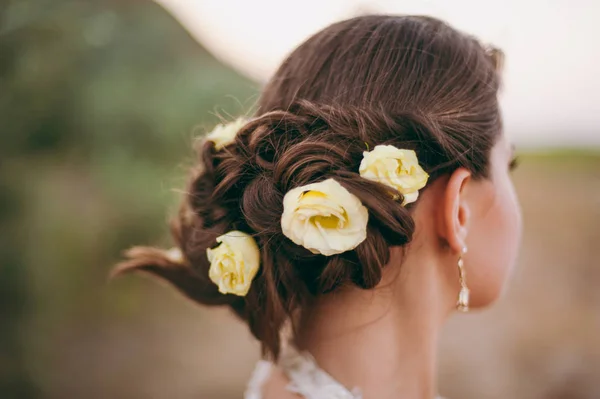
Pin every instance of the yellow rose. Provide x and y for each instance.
(234, 263)
(324, 218)
(395, 168)
(223, 135)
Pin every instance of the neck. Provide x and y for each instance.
(382, 341)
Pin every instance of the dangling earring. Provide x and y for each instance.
(463, 296)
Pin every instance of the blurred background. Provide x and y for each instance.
(99, 102)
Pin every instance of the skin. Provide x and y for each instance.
(384, 340)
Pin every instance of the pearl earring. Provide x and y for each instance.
(463, 296)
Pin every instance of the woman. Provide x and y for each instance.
(336, 221)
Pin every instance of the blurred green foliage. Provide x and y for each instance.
(98, 104)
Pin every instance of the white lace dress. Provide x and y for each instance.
(306, 378)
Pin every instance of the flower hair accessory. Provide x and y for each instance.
(234, 263)
(224, 134)
(396, 168)
(324, 218)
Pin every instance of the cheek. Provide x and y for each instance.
(494, 241)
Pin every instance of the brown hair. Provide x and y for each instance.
(413, 82)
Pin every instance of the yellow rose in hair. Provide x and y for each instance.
(396, 168)
(223, 135)
(234, 263)
(324, 217)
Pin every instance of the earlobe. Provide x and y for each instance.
(455, 209)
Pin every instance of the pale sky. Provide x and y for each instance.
(551, 93)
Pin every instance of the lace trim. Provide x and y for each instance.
(261, 373)
(310, 381)
(306, 378)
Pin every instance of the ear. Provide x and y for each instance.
(455, 211)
